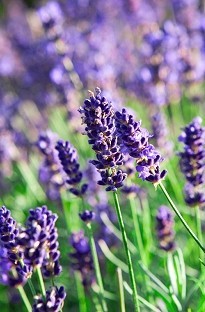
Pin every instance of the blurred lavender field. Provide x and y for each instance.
(71, 149)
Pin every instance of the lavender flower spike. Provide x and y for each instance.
(81, 258)
(54, 300)
(192, 161)
(69, 161)
(10, 253)
(165, 231)
(40, 241)
(98, 116)
(135, 142)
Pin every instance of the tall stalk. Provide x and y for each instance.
(121, 290)
(199, 233)
(128, 256)
(41, 282)
(24, 298)
(97, 267)
(180, 217)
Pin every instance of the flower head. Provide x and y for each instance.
(50, 173)
(69, 161)
(164, 227)
(40, 241)
(98, 116)
(192, 161)
(11, 254)
(53, 301)
(135, 142)
(87, 216)
(81, 258)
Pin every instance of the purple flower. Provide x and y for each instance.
(53, 301)
(192, 161)
(135, 142)
(98, 116)
(69, 161)
(8, 229)
(11, 254)
(50, 15)
(40, 241)
(160, 133)
(104, 233)
(50, 173)
(164, 228)
(87, 216)
(81, 258)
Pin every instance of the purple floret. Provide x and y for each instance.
(87, 216)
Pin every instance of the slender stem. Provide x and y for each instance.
(147, 228)
(97, 267)
(121, 290)
(110, 256)
(81, 293)
(199, 229)
(41, 282)
(98, 307)
(129, 260)
(141, 247)
(25, 298)
(200, 235)
(180, 217)
(137, 231)
(33, 291)
(117, 232)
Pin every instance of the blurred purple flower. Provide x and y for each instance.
(164, 228)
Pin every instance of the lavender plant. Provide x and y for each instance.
(81, 258)
(69, 161)
(53, 301)
(164, 229)
(135, 141)
(136, 51)
(50, 172)
(40, 242)
(98, 115)
(192, 161)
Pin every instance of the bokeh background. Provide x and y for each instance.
(147, 56)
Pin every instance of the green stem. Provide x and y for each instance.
(199, 233)
(129, 260)
(137, 230)
(97, 267)
(25, 298)
(180, 217)
(33, 291)
(141, 247)
(110, 256)
(121, 290)
(81, 293)
(117, 232)
(147, 227)
(41, 282)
